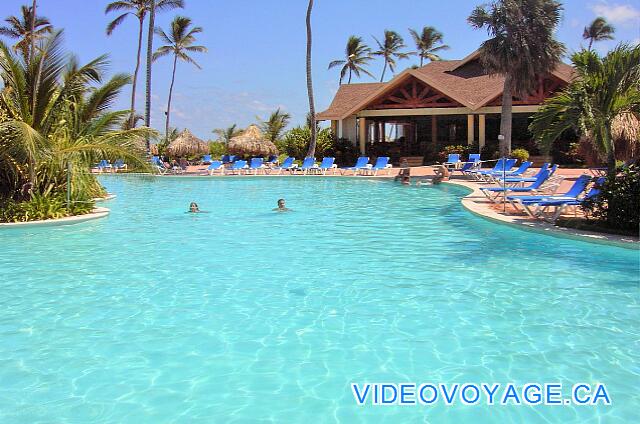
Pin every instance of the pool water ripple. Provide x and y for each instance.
(245, 315)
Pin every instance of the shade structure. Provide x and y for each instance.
(187, 144)
(252, 142)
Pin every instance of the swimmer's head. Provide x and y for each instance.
(281, 203)
(193, 207)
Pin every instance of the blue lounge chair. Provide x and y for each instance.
(119, 165)
(493, 193)
(511, 180)
(238, 166)
(528, 202)
(561, 205)
(360, 164)
(307, 164)
(215, 165)
(104, 164)
(452, 161)
(487, 176)
(498, 167)
(517, 173)
(255, 165)
(325, 165)
(382, 162)
(272, 160)
(206, 159)
(287, 165)
(474, 157)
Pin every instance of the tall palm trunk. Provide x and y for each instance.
(349, 82)
(312, 109)
(132, 119)
(384, 69)
(611, 149)
(33, 29)
(590, 43)
(506, 116)
(421, 61)
(147, 111)
(173, 79)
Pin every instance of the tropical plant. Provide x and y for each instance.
(598, 30)
(617, 203)
(521, 154)
(226, 134)
(26, 30)
(296, 141)
(426, 43)
(138, 9)
(521, 48)
(217, 148)
(57, 122)
(312, 108)
(275, 125)
(389, 50)
(606, 91)
(179, 43)
(358, 55)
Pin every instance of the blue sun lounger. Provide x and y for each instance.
(561, 205)
(215, 165)
(493, 193)
(452, 161)
(325, 165)
(307, 164)
(206, 159)
(238, 166)
(287, 165)
(527, 202)
(511, 180)
(255, 165)
(119, 165)
(487, 176)
(499, 166)
(382, 162)
(361, 163)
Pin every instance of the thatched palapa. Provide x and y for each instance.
(187, 144)
(252, 142)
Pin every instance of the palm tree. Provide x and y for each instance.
(598, 30)
(147, 103)
(358, 56)
(426, 43)
(275, 125)
(26, 30)
(390, 50)
(606, 90)
(179, 43)
(68, 122)
(312, 109)
(522, 47)
(226, 134)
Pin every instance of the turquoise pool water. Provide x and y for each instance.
(245, 315)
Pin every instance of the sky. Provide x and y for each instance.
(256, 48)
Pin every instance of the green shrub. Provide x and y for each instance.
(48, 205)
(443, 155)
(617, 204)
(217, 149)
(521, 154)
(296, 142)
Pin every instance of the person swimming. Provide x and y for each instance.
(282, 206)
(193, 207)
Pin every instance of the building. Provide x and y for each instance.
(423, 109)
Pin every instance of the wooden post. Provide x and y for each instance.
(362, 135)
(481, 130)
(470, 129)
(334, 128)
(434, 129)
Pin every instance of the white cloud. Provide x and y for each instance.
(616, 13)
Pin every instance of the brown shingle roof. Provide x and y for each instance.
(347, 97)
(462, 80)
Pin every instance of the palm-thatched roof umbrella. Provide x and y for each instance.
(252, 142)
(187, 144)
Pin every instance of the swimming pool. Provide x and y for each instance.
(246, 315)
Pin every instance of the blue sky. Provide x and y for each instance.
(256, 59)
